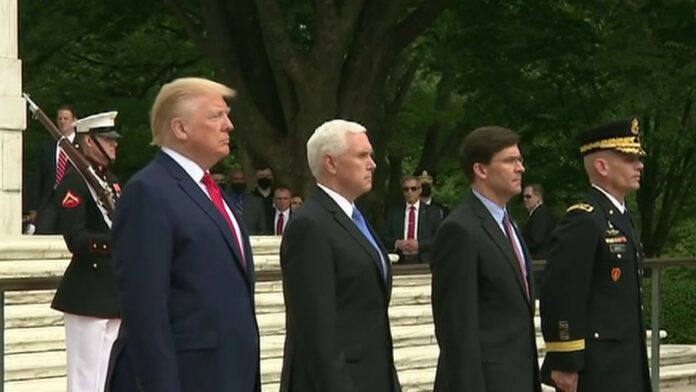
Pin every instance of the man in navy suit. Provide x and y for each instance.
(182, 258)
(336, 275)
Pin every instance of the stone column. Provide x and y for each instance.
(12, 122)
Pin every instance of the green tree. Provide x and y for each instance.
(297, 64)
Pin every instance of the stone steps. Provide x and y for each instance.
(34, 337)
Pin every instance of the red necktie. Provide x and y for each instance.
(280, 224)
(411, 233)
(509, 231)
(216, 197)
(61, 166)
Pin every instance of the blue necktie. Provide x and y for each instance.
(359, 221)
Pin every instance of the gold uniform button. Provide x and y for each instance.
(596, 334)
(618, 255)
(104, 246)
(94, 265)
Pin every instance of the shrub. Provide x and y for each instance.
(677, 296)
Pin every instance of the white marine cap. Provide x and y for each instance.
(100, 124)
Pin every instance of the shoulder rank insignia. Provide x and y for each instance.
(71, 200)
(580, 206)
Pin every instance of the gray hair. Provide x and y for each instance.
(329, 139)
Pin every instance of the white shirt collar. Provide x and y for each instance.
(342, 202)
(416, 204)
(612, 199)
(190, 167)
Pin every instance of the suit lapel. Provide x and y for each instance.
(528, 263)
(349, 226)
(490, 226)
(198, 196)
(53, 161)
(244, 239)
(422, 207)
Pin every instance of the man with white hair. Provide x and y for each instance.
(184, 268)
(336, 275)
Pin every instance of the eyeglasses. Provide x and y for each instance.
(410, 188)
(511, 160)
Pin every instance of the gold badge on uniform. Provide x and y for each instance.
(612, 232)
(615, 274)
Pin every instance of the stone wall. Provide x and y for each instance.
(12, 121)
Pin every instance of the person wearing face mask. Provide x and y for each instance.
(264, 189)
(426, 196)
(247, 204)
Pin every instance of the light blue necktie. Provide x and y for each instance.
(359, 221)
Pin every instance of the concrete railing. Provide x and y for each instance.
(37, 263)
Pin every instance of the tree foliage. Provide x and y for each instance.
(420, 74)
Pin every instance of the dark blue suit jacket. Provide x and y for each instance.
(187, 302)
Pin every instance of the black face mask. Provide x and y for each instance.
(426, 190)
(264, 183)
(238, 187)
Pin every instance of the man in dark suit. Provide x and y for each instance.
(51, 166)
(183, 261)
(246, 204)
(427, 182)
(281, 209)
(87, 292)
(336, 275)
(591, 302)
(410, 226)
(264, 189)
(482, 292)
(537, 231)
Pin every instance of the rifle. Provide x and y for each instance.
(105, 197)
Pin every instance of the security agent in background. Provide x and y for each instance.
(87, 293)
(427, 188)
(51, 165)
(540, 223)
(410, 227)
(591, 310)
